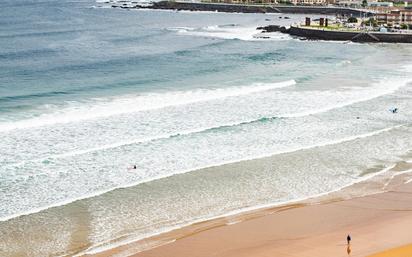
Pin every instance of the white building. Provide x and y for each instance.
(349, 3)
(380, 4)
(309, 2)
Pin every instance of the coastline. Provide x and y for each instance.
(291, 232)
(354, 36)
(191, 125)
(81, 215)
(247, 8)
(316, 226)
(360, 36)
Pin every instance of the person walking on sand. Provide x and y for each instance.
(348, 249)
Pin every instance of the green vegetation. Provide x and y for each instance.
(370, 22)
(400, 26)
(285, 2)
(364, 3)
(399, 4)
(352, 20)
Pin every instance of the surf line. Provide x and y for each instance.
(127, 105)
(97, 193)
(111, 244)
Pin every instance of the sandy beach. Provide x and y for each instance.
(402, 251)
(191, 133)
(377, 223)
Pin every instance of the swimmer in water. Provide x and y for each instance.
(134, 167)
(394, 110)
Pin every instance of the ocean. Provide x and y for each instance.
(217, 117)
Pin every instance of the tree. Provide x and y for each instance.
(364, 3)
(352, 20)
(370, 22)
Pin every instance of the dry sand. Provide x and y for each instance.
(403, 251)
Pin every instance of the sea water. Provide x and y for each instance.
(217, 117)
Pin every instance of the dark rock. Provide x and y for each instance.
(273, 28)
(239, 8)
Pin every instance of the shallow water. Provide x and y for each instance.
(85, 93)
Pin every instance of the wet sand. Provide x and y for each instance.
(375, 222)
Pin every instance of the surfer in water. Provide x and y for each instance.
(133, 167)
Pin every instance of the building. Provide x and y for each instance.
(380, 4)
(270, 2)
(309, 2)
(241, 1)
(349, 3)
(396, 17)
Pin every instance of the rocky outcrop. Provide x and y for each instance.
(273, 28)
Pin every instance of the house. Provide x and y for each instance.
(380, 4)
(241, 1)
(396, 17)
(295, 2)
(349, 3)
(309, 2)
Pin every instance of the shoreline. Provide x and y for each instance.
(136, 130)
(83, 209)
(176, 240)
(250, 8)
(354, 36)
(326, 34)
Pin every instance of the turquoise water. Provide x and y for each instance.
(86, 92)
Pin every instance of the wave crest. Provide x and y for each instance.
(139, 103)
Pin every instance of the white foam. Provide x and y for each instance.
(395, 175)
(383, 87)
(181, 29)
(365, 93)
(234, 32)
(407, 68)
(139, 103)
(369, 92)
(96, 193)
(233, 222)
